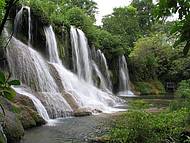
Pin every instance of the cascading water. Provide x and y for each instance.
(18, 21)
(80, 54)
(124, 81)
(52, 45)
(100, 82)
(84, 64)
(39, 106)
(85, 94)
(102, 63)
(29, 66)
(33, 70)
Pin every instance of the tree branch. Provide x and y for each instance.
(10, 4)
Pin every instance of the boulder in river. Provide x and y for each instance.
(82, 112)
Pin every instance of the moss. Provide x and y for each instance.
(16, 109)
(13, 128)
(30, 118)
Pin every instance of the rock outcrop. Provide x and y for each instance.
(20, 114)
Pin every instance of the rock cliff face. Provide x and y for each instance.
(20, 114)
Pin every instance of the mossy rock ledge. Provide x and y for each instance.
(20, 114)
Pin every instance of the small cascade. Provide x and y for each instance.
(124, 81)
(85, 94)
(37, 103)
(18, 21)
(101, 81)
(102, 62)
(80, 55)
(52, 45)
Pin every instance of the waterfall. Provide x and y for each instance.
(124, 81)
(80, 55)
(18, 22)
(100, 82)
(92, 69)
(52, 45)
(45, 76)
(104, 68)
(37, 103)
(85, 94)
(28, 65)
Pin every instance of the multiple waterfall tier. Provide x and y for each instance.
(55, 90)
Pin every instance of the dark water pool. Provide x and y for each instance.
(71, 130)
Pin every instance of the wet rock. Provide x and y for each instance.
(38, 119)
(20, 115)
(30, 118)
(23, 100)
(26, 120)
(96, 111)
(28, 115)
(70, 100)
(13, 128)
(56, 76)
(7, 104)
(82, 112)
(103, 139)
(3, 138)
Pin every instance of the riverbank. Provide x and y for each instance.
(80, 129)
(71, 130)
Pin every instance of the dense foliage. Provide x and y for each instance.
(5, 86)
(181, 28)
(183, 90)
(2, 4)
(139, 127)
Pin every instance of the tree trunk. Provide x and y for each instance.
(9, 4)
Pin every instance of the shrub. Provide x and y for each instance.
(183, 90)
(139, 127)
(178, 104)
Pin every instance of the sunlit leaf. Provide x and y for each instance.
(9, 94)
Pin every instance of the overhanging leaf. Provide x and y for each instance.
(2, 77)
(14, 82)
(9, 94)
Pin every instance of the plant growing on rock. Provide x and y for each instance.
(5, 87)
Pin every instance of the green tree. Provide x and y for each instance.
(88, 6)
(151, 57)
(182, 27)
(2, 6)
(123, 22)
(144, 10)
